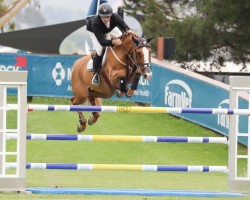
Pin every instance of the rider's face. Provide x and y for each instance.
(105, 20)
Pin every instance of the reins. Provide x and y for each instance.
(129, 55)
(132, 59)
(117, 58)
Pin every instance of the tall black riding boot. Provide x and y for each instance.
(96, 67)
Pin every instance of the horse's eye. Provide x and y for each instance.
(138, 54)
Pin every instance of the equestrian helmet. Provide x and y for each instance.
(105, 10)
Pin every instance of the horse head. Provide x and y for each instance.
(139, 53)
(142, 55)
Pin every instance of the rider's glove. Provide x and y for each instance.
(116, 42)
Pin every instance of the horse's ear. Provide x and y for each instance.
(136, 41)
(150, 38)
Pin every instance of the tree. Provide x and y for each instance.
(3, 10)
(202, 28)
(153, 16)
(8, 11)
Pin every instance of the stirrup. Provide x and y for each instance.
(95, 80)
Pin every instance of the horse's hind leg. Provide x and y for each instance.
(95, 115)
(82, 120)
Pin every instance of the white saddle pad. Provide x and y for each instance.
(104, 59)
(90, 65)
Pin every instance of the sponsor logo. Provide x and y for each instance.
(20, 63)
(178, 94)
(143, 82)
(58, 73)
(123, 109)
(223, 120)
(144, 89)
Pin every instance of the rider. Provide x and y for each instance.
(99, 26)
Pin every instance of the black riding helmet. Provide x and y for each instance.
(105, 10)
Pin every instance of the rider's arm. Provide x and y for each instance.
(120, 22)
(101, 38)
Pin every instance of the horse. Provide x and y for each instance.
(124, 64)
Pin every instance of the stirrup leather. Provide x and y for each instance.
(96, 79)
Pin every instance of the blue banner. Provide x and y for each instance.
(51, 76)
(173, 89)
(47, 75)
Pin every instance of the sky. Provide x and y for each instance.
(59, 11)
(55, 11)
(48, 12)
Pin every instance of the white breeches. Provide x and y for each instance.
(97, 46)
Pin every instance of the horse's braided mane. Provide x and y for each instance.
(126, 34)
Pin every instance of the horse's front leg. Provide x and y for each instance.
(95, 115)
(123, 87)
(134, 85)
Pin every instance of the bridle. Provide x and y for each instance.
(140, 43)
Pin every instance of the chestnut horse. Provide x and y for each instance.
(124, 64)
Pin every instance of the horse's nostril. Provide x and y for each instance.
(148, 76)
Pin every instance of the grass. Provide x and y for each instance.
(120, 153)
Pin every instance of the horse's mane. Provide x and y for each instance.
(127, 38)
(127, 35)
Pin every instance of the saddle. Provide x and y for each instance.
(104, 59)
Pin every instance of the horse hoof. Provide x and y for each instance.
(119, 93)
(130, 92)
(90, 121)
(80, 128)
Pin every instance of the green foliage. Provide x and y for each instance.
(231, 25)
(193, 43)
(3, 7)
(201, 27)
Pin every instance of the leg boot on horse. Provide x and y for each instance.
(123, 87)
(134, 85)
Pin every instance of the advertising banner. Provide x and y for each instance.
(173, 89)
(47, 75)
(51, 76)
